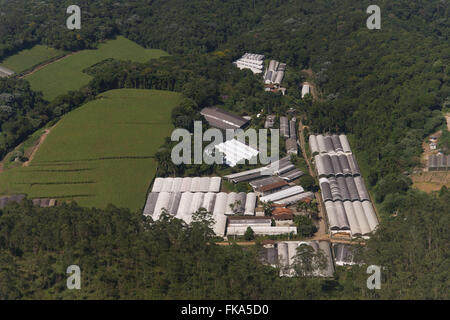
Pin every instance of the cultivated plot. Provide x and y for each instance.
(67, 74)
(28, 58)
(100, 153)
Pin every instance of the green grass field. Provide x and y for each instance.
(29, 58)
(101, 152)
(67, 74)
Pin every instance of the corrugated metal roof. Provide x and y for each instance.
(277, 185)
(292, 174)
(289, 192)
(223, 119)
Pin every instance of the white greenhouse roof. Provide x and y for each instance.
(235, 151)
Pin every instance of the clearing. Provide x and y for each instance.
(429, 181)
(102, 152)
(29, 58)
(67, 74)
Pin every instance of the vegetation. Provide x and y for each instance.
(444, 141)
(249, 234)
(67, 74)
(100, 153)
(22, 111)
(308, 183)
(305, 226)
(29, 58)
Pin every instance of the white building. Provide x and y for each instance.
(235, 151)
(252, 61)
(305, 90)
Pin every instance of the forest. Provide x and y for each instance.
(385, 88)
(124, 255)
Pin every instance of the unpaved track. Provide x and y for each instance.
(321, 232)
(36, 147)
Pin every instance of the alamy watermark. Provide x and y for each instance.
(374, 21)
(74, 280)
(182, 153)
(374, 281)
(74, 21)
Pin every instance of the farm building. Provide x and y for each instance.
(258, 177)
(280, 210)
(183, 204)
(304, 196)
(285, 257)
(261, 230)
(291, 146)
(284, 219)
(252, 61)
(274, 73)
(267, 189)
(236, 152)
(261, 225)
(4, 200)
(292, 128)
(438, 162)
(336, 165)
(285, 193)
(187, 184)
(343, 188)
(44, 202)
(284, 127)
(270, 121)
(329, 144)
(344, 193)
(222, 119)
(5, 72)
(343, 254)
(265, 181)
(305, 90)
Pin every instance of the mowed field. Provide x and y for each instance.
(101, 152)
(29, 58)
(67, 74)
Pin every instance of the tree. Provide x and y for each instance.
(309, 183)
(305, 226)
(267, 206)
(249, 234)
(203, 223)
(308, 262)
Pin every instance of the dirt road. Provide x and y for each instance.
(36, 147)
(322, 230)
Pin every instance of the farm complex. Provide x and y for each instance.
(104, 152)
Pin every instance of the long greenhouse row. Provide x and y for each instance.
(346, 198)
(184, 204)
(329, 144)
(343, 188)
(336, 165)
(287, 250)
(187, 184)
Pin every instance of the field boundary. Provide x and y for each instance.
(44, 64)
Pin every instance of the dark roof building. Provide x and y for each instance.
(271, 188)
(438, 162)
(291, 146)
(222, 119)
(284, 127)
(4, 200)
